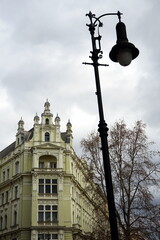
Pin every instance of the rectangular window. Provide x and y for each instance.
(7, 173)
(4, 176)
(54, 185)
(6, 196)
(48, 186)
(16, 167)
(41, 164)
(40, 213)
(54, 213)
(48, 236)
(1, 223)
(54, 236)
(2, 198)
(41, 185)
(40, 236)
(47, 213)
(52, 165)
(5, 221)
(16, 192)
(15, 218)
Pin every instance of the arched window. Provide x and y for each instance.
(47, 121)
(47, 137)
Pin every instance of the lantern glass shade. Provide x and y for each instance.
(124, 56)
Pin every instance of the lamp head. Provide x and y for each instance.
(123, 52)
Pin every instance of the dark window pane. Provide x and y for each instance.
(47, 236)
(40, 236)
(54, 216)
(47, 137)
(40, 207)
(47, 121)
(54, 181)
(48, 180)
(47, 216)
(41, 180)
(54, 188)
(41, 164)
(47, 207)
(41, 188)
(40, 216)
(54, 236)
(48, 188)
(53, 165)
(54, 207)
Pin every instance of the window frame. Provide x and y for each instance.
(7, 196)
(4, 175)
(15, 218)
(17, 167)
(47, 137)
(8, 173)
(16, 192)
(47, 121)
(46, 236)
(41, 164)
(47, 213)
(47, 186)
(53, 165)
(5, 221)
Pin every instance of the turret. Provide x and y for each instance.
(69, 132)
(57, 120)
(20, 132)
(69, 127)
(36, 119)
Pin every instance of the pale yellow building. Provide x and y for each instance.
(46, 191)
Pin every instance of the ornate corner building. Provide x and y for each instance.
(45, 189)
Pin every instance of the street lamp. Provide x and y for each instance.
(123, 52)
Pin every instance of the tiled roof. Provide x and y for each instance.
(11, 147)
(7, 150)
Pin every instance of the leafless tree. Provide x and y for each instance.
(135, 171)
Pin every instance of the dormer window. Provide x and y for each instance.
(47, 121)
(47, 137)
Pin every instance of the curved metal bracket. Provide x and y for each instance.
(96, 40)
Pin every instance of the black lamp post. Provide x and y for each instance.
(123, 52)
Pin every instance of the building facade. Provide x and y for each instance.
(46, 191)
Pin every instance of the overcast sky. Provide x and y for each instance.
(42, 46)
